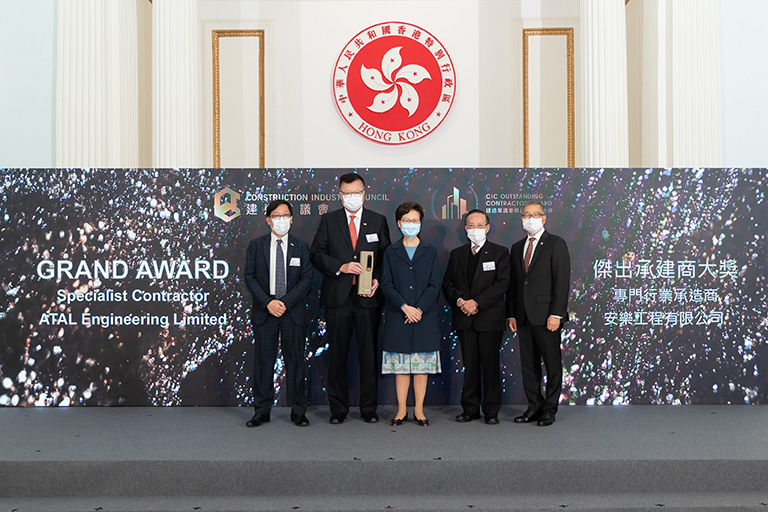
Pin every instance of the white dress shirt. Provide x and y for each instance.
(357, 215)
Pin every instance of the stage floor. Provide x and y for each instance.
(606, 458)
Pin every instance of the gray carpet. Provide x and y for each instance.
(593, 458)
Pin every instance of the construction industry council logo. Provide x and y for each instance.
(225, 204)
(449, 203)
(394, 83)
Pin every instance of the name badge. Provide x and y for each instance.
(295, 262)
(489, 265)
(372, 237)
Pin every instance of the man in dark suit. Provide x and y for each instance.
(474, 285)
(537, 307)
(278, 274)
(341, 236)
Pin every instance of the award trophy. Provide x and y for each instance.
(365, 279)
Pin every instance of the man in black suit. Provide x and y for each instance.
(474, 285)
(537, 307)
(341, 236)
(278, 274)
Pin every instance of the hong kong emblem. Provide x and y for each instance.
(394, 83)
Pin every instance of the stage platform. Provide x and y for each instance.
(628, 458)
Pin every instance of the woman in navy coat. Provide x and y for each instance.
(411, 281)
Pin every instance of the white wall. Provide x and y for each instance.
(327, 27)
(744, 76)
(27, 83)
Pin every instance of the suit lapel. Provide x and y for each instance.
(291, 254)
(400, 251)
(479, 268)
(265, 248)
(537, 250)
(364, 219)
(344, 228)
(420, 250)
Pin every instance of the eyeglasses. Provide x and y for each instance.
(532, 215)
(355, 193)
(476, 226)
(409, 221)
(285, 216)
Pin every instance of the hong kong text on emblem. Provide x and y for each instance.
(394, 83)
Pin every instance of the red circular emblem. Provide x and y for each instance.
(394, 83)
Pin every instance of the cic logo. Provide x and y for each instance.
(455, 207)
(225, 204)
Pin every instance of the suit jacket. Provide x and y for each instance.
(416, 283)
(332, 247)
(487, 288)
(298, 278)
(544, 290)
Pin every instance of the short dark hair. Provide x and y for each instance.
(407, 207)
(470, 212)
(534, 202)
(274, 204)
(350, 177)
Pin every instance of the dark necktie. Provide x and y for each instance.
(279, 270)
(528, 252)
(353, 236)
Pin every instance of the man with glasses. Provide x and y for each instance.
(474, 285)
(278, 274)
(342, 234)
(537, 307)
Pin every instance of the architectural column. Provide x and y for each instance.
(694, 78)
(176, 105)
(654, 116)
(96, 85)
(682, 124)
(603, 133)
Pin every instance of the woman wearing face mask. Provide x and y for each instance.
(411, 284)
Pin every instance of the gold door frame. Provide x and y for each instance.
(215, 36)
(568, 32)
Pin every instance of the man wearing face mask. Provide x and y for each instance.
(340, 237)
(278, 274)
(537, 307)
(474, 285)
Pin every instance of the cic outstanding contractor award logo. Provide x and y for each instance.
(394, 83)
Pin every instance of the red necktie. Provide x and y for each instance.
(353, 236)
(528, 252)
(474, 249)
(353, 231)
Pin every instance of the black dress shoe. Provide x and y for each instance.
(492, 420)
(371, 417)
(337, 419)
(257, 420)
(464, 417)
(396, 422)
(299, 420)
(421, 423)
(528, 416)
(546, 419)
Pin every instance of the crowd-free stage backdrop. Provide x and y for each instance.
(126, 286)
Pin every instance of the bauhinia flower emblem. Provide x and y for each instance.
(397, 87)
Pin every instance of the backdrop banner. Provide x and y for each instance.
(125, 287)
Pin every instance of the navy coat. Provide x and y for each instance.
(416, 283)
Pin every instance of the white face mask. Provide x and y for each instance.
(281, 226)
(476, 236)
(532, 225)
(352, 202)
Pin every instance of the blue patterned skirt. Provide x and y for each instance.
(419, 362)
